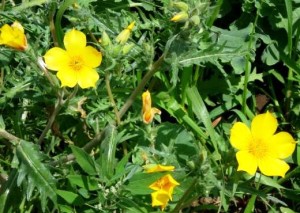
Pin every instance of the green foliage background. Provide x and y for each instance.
(229, 61)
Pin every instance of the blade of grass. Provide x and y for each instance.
(202, 114)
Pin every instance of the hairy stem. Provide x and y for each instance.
(248, 67)
(141, 86)
(57, 107)
(111, 98)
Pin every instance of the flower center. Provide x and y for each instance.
(258, 148)
(76, 63)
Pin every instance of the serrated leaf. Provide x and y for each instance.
(85, 161)
(35, 172)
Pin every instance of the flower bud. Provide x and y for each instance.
(181, 6)
(124, 34)
(195, 20)
(180, 17)
(127, 47)
(105, 40)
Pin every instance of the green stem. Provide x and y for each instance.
(111, 98)
(57, 107)
(6, 135)
(141, 86)
(289, 90)
(250, 205)
(247, 66)
(180, 204)
(2, 5)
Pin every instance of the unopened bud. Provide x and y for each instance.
(181, 6)
(127, 47)
(105, 40)
(180, 17)
(195, 19)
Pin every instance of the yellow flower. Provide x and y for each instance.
(157, 168)
(260, 148)
(166, 184)
(124, 35)
(13, 36)
(160, 198)
(148, 111)
(76, 64)
(180, 17)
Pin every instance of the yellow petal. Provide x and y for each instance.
(180, 17)
(273, 167)
(123, 36)
(247, 162)
(74, 40)
(13, 36)
(17, 25)
(148, 116)
(158, 168)
(91, 57)
(263, 126)
(146, 98)
(55, 58)
(240, 136)
(130, 26)
(283, 145)
(87, 77)
(160, 198)
(67, 76)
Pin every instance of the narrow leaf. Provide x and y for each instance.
(85, 161)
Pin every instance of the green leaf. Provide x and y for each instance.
(140, 182)
(270, 182)
(70, 197)
(58, 28)
(38, 175)
(9, 193)
(202, 114)
(85, 161)
(286, 210)
(108, 147)
(86, 182)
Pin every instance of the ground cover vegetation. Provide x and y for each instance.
(149, 106)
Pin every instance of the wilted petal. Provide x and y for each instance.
(240, 136)
(55, 58)
(283, 145)
(74, 40)
(91, 57)
(263, 126)
(273, 167)
(87, 77)
(247, 162)
(67, 77)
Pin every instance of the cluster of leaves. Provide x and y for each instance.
(240, 59)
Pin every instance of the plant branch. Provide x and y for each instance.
(141, 86)
(111, 98)
(6, 135)
(57, 107)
